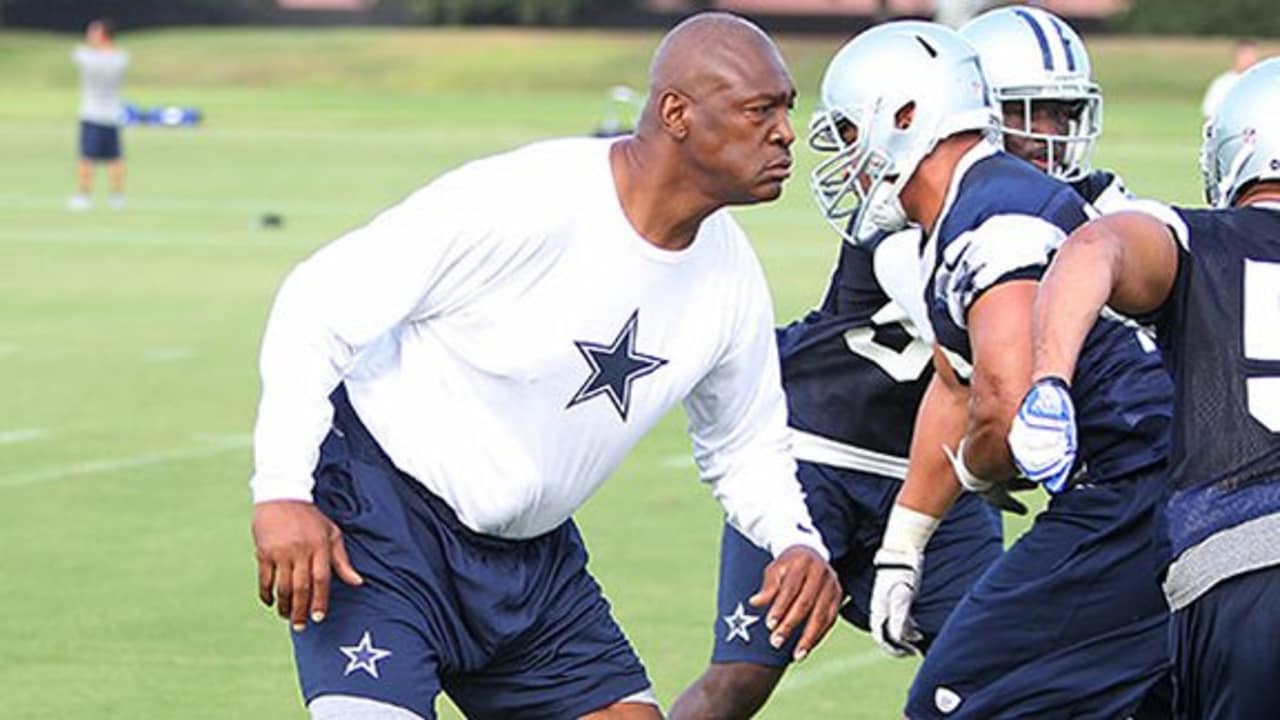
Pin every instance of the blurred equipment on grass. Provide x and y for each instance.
(164, 115)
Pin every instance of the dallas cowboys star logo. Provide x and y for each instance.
(614, 367)
(738, 623)
(363, 656)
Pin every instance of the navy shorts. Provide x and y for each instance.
(1226, 650)
(850, 509)
(99, 142)
(1069, 623)
(508, 629)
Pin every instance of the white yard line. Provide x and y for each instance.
(95, 467)
(12, 437)
(803, 676)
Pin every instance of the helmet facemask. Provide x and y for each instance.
(857, 186)
(1066, 152)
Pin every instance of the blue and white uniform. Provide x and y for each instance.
(1070, 621)
(492, 366)
(1218, 335)
(854, 370)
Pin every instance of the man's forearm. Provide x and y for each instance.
(1071, 295)
(931, 486)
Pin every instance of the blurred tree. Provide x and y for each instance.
(74, 14)
(1198, 17)
(525, 12)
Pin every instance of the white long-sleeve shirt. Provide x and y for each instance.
(507, 337)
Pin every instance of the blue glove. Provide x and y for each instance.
(1043, 436)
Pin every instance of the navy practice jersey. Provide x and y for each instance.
(853, 369)
(1101, 189)
(1002, 223)
(1220, 335)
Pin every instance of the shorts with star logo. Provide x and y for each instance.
(507, 629)
(850, 509)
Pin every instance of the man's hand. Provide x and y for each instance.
(1043, 436)
(296, 547)
(799, 587)
(896, 584)
(995, 493)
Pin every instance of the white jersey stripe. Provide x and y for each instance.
(825, 451)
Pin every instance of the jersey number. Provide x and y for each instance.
(902, 365)
(1262, 338)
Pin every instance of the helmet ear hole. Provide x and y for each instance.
(905, 115)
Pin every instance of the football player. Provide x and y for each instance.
(1070, 620)
(1039, 72)
(1210, 282)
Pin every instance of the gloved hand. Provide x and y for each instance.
(996, 494)
(1043, 436)
(897, 581)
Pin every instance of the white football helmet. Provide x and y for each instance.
(1242, 140)
(1031, 56)
(897, 70)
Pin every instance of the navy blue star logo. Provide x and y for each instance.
(614, 367)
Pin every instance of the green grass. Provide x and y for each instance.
(129, 339)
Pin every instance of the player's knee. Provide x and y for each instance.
(350, 707)
(727, 691)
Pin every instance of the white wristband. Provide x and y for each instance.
(967, 479)
(908, 529)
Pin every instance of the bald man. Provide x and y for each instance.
(443, 387)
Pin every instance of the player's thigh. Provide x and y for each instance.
(967, 542)
(1226, 660)
(1070, 617)
(844, 506)
(370, 646)
(739, 629)
(573, 660)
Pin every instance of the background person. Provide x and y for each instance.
(102, 66)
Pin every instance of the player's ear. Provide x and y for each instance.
(673, 113)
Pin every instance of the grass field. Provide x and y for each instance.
(128, 341)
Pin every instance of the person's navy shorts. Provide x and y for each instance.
(1226, 650)
(508, 629)
(849, 509)
(99, 142)
(1069, 623)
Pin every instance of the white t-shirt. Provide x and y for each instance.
(101, 75)
(507, 337)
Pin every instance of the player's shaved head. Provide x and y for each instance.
(709, 53)
(716, 129)
(708, 50)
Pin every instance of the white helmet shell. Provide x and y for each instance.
(1029, 56)
(1242, 139)
(873, 83)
